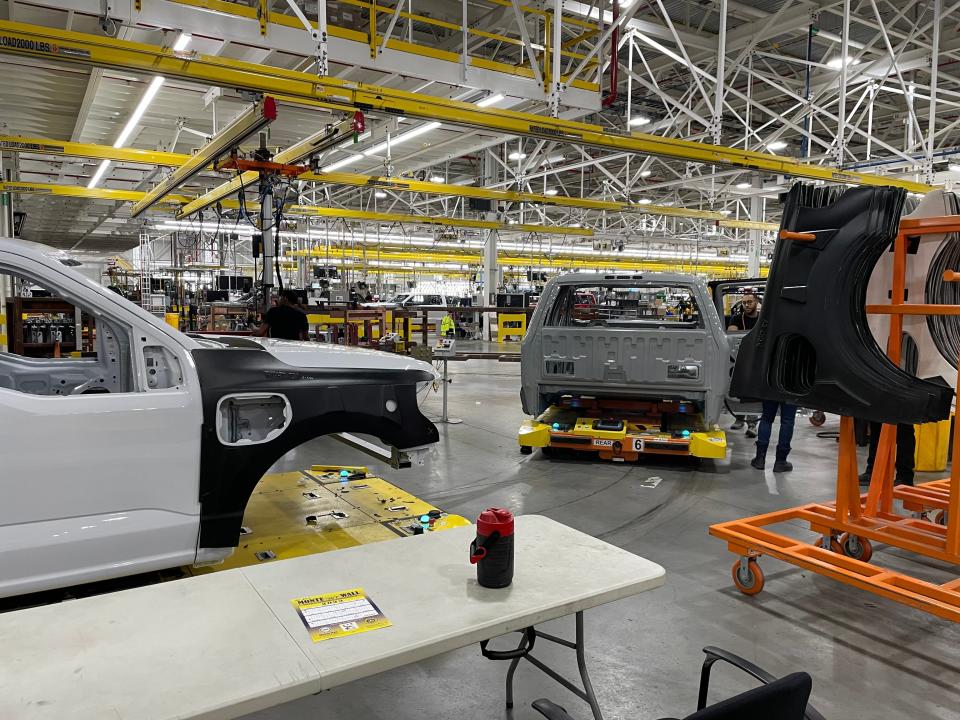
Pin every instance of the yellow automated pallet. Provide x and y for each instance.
(622, 433)
(302, 513)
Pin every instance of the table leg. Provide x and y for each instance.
(523, 653)
(582, 666)
(510, 671)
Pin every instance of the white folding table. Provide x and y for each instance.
(230, 643)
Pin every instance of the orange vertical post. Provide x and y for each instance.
(848, 490)
(880, 495)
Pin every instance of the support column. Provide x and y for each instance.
(556, 41)
(721, 68)
(805, 144)
(842, 106)
(756, 236)
(6, 287)
(717, 119)
(6, 210)
(491, 273)
(934, 73)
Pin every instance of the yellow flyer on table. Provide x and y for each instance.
(338, 614)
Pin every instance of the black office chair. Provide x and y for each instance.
(777, 699)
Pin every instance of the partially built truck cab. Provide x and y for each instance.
(625, 364)
(139, 450)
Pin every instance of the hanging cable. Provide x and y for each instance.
(278, 224)
(944, 329)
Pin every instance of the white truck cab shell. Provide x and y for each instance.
(120, 464)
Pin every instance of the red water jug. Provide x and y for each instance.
(492, 550)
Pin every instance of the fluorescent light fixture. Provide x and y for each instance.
(98, 175)
(639, 119)
(776, 145)
(837, 63)
(138, 112)
(553, 159)
(954, 167)
(181, 44)
(517, 156)
(152, 89)
(645, 201)
(409, 135)
(380, 194)
(342, 163)
(726, 212)
(743, 185)
(490, 100)
(645, 173)
(437, 178)
(551, 191)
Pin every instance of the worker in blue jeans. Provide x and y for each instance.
(788, 414)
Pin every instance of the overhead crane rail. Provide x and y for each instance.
(307, 148)
(44, 146)
(556, 259)
(249, 122)
(303, 88)
(135, 196)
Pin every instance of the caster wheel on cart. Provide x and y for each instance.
(940, 518)
(856, 547)
(835, 545)
(749, 581)
(818, 418)
(526, 450)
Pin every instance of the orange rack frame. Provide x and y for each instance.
(848, 526)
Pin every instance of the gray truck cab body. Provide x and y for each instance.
(631, 336)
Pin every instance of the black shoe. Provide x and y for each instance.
(782, 466)
(865, 476)
(750, 433)
(758, 463)
(900, 480)
(737, 425)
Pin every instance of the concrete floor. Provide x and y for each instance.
(869, 657)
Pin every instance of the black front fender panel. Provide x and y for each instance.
(812, 345)
(323, 401)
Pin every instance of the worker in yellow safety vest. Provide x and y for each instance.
(448, 328)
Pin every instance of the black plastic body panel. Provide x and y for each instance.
(812, 345)
(323, 401)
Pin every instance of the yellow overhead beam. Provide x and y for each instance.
(474, 260)
(422, 186)
(136, 196)
(250, 121)
(45, 146)
(25, 188)
(317, 142)
(73, 47)
(748, 225)
(348, 214)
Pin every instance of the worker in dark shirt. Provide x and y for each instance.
(747, 318)
(285, 321)
(738, 322)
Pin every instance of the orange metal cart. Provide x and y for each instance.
(929, 525)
